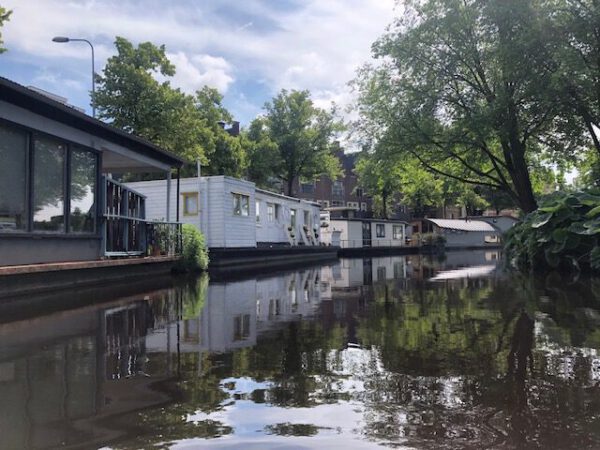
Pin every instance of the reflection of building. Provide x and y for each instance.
(236, 313)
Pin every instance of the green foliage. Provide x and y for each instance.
(468, 89)
(301, 134)
(562, 234)
(227, 154)
(194, 255)
(4, 17)
(130, 97)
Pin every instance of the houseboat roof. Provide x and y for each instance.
(45, 106)
(286, 197)
(462, 225)
(370, 219)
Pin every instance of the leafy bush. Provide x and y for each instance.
(433, 239)
(563, 233)
(194, 255)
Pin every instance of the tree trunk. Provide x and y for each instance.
(384, 197)
(519, 174)
(290, 187)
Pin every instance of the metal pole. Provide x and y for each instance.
(168, 195)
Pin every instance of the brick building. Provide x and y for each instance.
(339, 193)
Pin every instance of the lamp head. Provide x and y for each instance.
(60, 39)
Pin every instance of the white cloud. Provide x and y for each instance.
(201, 70)
(317, 45)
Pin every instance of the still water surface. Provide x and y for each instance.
(404, 352)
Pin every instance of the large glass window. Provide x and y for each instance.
(13, 180)
(293, 218)
(84, 167)
(49, 185)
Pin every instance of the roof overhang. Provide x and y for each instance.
(41, 105)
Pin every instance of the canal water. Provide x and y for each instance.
(404, 352)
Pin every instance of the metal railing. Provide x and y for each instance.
(366, 243)
(126, 230)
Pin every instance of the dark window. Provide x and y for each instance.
(338, 188)
(308, 188)
(359, 192)
(84, 167)
(49, 161)
(380, 230)
(13, 180)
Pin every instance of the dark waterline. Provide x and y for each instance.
(405, 352)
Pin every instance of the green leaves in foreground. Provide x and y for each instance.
(563, 233)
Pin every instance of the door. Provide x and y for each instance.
(366, 234)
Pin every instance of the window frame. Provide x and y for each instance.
(185, 196)
(32, 134)
(378, 227)
(244, 198)
(395, 228)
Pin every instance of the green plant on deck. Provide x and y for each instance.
(194, 255)
(563, 233)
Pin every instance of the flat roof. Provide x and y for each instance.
(462, 225)
(43, 105)
(358, 219)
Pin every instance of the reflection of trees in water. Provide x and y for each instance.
(444, 366)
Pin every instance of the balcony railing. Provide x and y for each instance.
(126, 230)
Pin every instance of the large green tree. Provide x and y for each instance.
(228, 152)
(464, 87)
(302, 134)
(576, 29)
(129, 96)
(4, 17)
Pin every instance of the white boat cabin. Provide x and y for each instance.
(361, 233)
(233, 213)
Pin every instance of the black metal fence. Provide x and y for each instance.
(126, 230)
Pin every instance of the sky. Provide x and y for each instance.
(249, 50)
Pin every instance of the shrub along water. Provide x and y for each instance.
(563, 233)
(194, 255)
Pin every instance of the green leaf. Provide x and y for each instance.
(560, 235)
(593, 212)
(573, 241)
(541, 220)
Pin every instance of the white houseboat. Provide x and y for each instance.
(466, 233)
(233, 213)
(364, 233)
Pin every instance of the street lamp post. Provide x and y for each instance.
(63, 39)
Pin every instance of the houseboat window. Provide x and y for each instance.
(84, 167)
(13, 180)
(257, 204)
(270, 212)
(307, 218)
(380, 230)
(293, 217)
(49, 185)
(241, 327)
(241, 205)
(398, 232)
(190, 203)
(337, 188)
